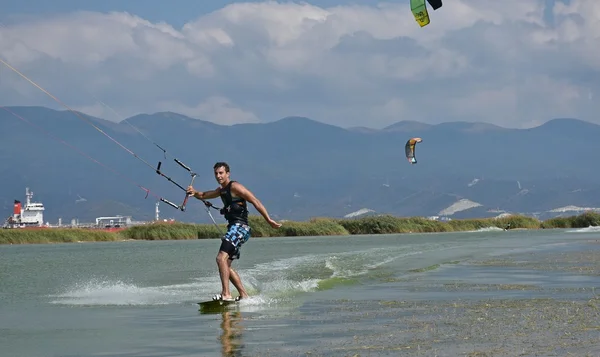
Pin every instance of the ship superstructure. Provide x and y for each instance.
(29, 215)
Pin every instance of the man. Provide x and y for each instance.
(235, 197)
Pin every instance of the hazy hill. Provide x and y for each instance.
(298, 167)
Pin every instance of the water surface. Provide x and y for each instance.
(138, 298)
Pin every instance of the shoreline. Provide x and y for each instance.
(322, 226)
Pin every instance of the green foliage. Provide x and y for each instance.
(518, 221)
(314, 227)
(586, 220)
(558, 222)
(385, 224)
(373, 225)
(581, 221)
(55, 235)
(169, 231)
(391, 224)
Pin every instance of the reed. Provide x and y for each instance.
(580, 221)
(390, 224)
(55, 235)
(170, 231)
(320, 226)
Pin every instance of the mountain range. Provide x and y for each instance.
(84, 167)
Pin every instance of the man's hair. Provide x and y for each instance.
(221, 164)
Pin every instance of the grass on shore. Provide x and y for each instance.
(385, 224)
(58, 235)
(581, 221)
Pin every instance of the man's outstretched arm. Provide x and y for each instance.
(244, 193)
(207, 195)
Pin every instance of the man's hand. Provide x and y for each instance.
(190, 191)
(273, 223)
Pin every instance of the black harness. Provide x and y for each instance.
(235, 209)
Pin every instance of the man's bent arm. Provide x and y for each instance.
(244, 193)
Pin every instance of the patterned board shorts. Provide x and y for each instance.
(236, 236)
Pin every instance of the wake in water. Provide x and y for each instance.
(285, 278)
(489, 229)
(590, 229)
(110, 292)
(268, 283)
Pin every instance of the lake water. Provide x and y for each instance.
(139, 298)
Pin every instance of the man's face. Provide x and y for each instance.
(221, 175)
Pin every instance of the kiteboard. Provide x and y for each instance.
(217, 305)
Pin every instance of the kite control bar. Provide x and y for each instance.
(193, 175)
(182, 207)
(187, 195)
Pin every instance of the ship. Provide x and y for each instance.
(29, 216)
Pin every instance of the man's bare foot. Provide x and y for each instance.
(224, 298)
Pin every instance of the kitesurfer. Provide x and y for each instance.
(235, 198)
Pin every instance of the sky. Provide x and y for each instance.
(512, 63)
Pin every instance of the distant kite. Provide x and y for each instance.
(419, 10)
(409, 149)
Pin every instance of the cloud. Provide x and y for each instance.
(504, 62)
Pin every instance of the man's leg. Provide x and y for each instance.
(224, 265)
(228, 252)
(237, 282)
(243, 235)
